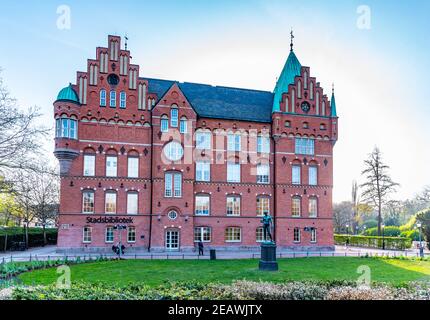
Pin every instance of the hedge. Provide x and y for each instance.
(390, 231)
(35, 237)
(374, 242)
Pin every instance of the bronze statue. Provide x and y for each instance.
(267, 226)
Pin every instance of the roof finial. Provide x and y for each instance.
(332, 90)
(126, 39)
(292, 37)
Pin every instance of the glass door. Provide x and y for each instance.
(172, 240)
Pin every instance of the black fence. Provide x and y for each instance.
(16, 242)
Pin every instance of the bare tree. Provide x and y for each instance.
(20, 136)
(378, 183)
(44, 195)
(342, 216)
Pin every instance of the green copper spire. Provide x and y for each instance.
(68, 94)
(333, 105)
(291, 69)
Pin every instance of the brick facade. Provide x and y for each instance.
(135, 131)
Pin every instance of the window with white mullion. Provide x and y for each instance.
(203, 172)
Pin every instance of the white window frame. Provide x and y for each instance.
(235, 200)
(296, 174)
(314, 235)
(106, 235)
(198, 212)
(233, 172)
(87, 232)
(111, 193)
(173, 185)
(203, 140)
(129, 229)
(293, 214)
(299, 235)
(112, 99)
(111, 171)
(232, 233)
(315, 214)
(123, 100)
(132, 209)
(174, 117)
(260, 206)
(199, 233)
(305, 146)
(83, 201)
(234, 142)
(164, 124)
(313, 175)
(263, 178)
(133, 167)
(103, 98)
(203, 171)
(89, 165)
(73, 129)
(263, 144)
(183, 125)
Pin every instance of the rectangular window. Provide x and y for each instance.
(111, 166)
(296, 207)
(112, 100)
(297, 235)
(89, 165)
(73, 129)
(263, 206)
(260, 235)
(183, 126)
(65, 128)
(202, 234)
(133, 167)
(88, 202)
(203, 171)
(233, 234)
(58, 128)
(202, 205)
(131, 234)
(173, 185)
(233, 172)
(87, 231)
(305, 146)
(234, 142)
(102, 98)
(174, 118)
(263, 144)
(313, 207)
(233, 206)
(110, 203)
(314, 235)
(109, 235)
(132, 203)
(164, 125)
(263, 171)
(296, 174)
(313, 176)
(203, 140)
(123, 100)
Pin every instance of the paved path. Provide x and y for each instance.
(49, 252)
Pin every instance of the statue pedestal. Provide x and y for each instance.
(268, 257)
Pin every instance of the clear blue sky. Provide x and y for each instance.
(380, 74)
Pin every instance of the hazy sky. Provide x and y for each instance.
(380, 73)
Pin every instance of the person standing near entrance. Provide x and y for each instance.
(201, 248)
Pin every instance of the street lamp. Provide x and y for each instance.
(347, 235)
(419, 225)
(383, 237)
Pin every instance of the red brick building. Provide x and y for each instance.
(182, 162)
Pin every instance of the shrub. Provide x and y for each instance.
(374, 242)
(35, 237)
(388, 232)
(414, 235)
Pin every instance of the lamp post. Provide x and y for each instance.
(419, 225)
(347, 235)
(383, 237)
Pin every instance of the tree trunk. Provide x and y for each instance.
(45, 242)
(26, 235)
(379, 218)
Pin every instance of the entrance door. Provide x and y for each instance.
(172, 240)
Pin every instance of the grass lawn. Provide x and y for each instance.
(156, 272)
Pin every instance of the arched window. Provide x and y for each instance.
(89, 163)
(123, 100)
(88, 201)
(233, 234)
(296, 207)
(132, 202)
(263, 205)
(173, 185)
(233, 205)
(174, 113)
(112, 99)
(313, 207)
(87, 234)
(110, 202)
(164, 124)
(103, 98)
(263, 173)
(111, 164)
(183, 125)
(313, 174)
(203, 140)
(202, 234)
(133, 165)
(296, 174)
(299, 89)
(202, 206)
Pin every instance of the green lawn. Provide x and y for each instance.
(156, 272)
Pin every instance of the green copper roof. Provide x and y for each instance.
(291, 69)
(333, 106)
(68, 94)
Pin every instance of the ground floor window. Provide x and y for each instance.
(297, 235)
(202, 234)
(131, 234)
(87, 231)
(314, 235)
(260, 235)
(233, 234)
(109, 235)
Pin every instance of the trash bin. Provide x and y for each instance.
(213, 254)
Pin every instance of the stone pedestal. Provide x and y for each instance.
(268, 257)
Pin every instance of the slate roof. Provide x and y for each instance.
(221, 102)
